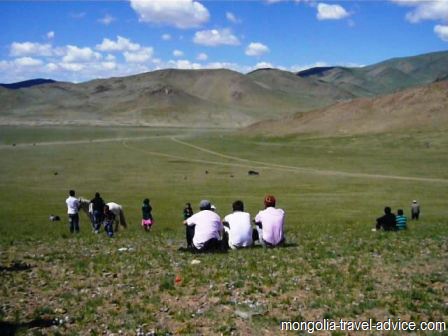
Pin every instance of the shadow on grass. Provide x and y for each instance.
(15, 267)
(11, 328)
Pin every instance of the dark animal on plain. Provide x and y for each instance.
(253, 172)
(54, 218)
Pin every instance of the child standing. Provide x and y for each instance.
(147, 219)
(401, 220)
(109, 219)
(189, 230)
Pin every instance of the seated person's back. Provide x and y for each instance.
(207, 224)
(272, 221)
(238, 226)
(387, 222)
(401, 220)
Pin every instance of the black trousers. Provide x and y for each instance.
(73, 220)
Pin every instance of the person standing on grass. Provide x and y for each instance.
(415, 210)
(269, 224)
(237, 227)
(401, 220)
(97, 204)
(73, 211)
(147, 219)
(387, 222)
(207, 228)
(109, 218)
(189, 230)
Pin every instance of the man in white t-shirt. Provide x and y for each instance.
(270, 223)
(207, 228)
(72, 211)
(237, 227)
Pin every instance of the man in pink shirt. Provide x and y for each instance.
(207, 228)
(270, 223)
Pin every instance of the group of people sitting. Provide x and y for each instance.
(205, 231)
(391, 222)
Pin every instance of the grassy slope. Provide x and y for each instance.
(335, 268)
(422, 108)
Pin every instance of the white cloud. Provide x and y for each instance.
(166, 37)
(51, 67)
(256, 49)
(331, 12)
(232, 18)
(74, 67)
(263, 65)
(141, 56)
(110, 57)
(441, 32)
(184, 64)
(178, 53)
(215, 37)
(106, 20)
(121, 44)
(29, 49)
(179, 13)
(50, 35)
(75, 54)
(109, 65)
(78, 15)
(425, 10)
(297, 68)
(27, 62)
(202, 57)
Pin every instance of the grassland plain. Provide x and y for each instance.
(331, 188)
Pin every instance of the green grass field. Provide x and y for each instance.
(332, 189)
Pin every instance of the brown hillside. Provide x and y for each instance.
(417, 108)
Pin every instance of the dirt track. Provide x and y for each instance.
(245, 163)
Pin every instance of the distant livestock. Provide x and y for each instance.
(253, 172)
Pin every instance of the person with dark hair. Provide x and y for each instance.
(189, 229)
(73, 211)
(109, 218)
(237, 227)
(401, 220)
(147, 219)
(269, 224)
(97, 204)
(386, 222)
(207, 228)
(415, 210)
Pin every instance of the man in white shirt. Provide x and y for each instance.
(207, 228)
(72, 211)
(237, 227)
(270, 223)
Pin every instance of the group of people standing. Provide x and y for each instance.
(99, 211)
(391, 222)
(205, 231)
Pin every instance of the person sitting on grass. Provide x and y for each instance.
(147, 219)
(386, 222)
(109, 218)
(401, 220)
(207, 228)
(269, 224)
(237, 227)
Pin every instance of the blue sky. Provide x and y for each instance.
(81, 40)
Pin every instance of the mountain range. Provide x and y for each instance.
(221, 98)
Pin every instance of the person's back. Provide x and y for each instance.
(208, 226)
(146, 210)
(401, 220)
(72, 211)
(97, 203)
(387, 221)
(238, 226)
(272, 222)
(415, 210)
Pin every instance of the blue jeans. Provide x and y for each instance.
(73, 221)
(108, 226)
(97, 218)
